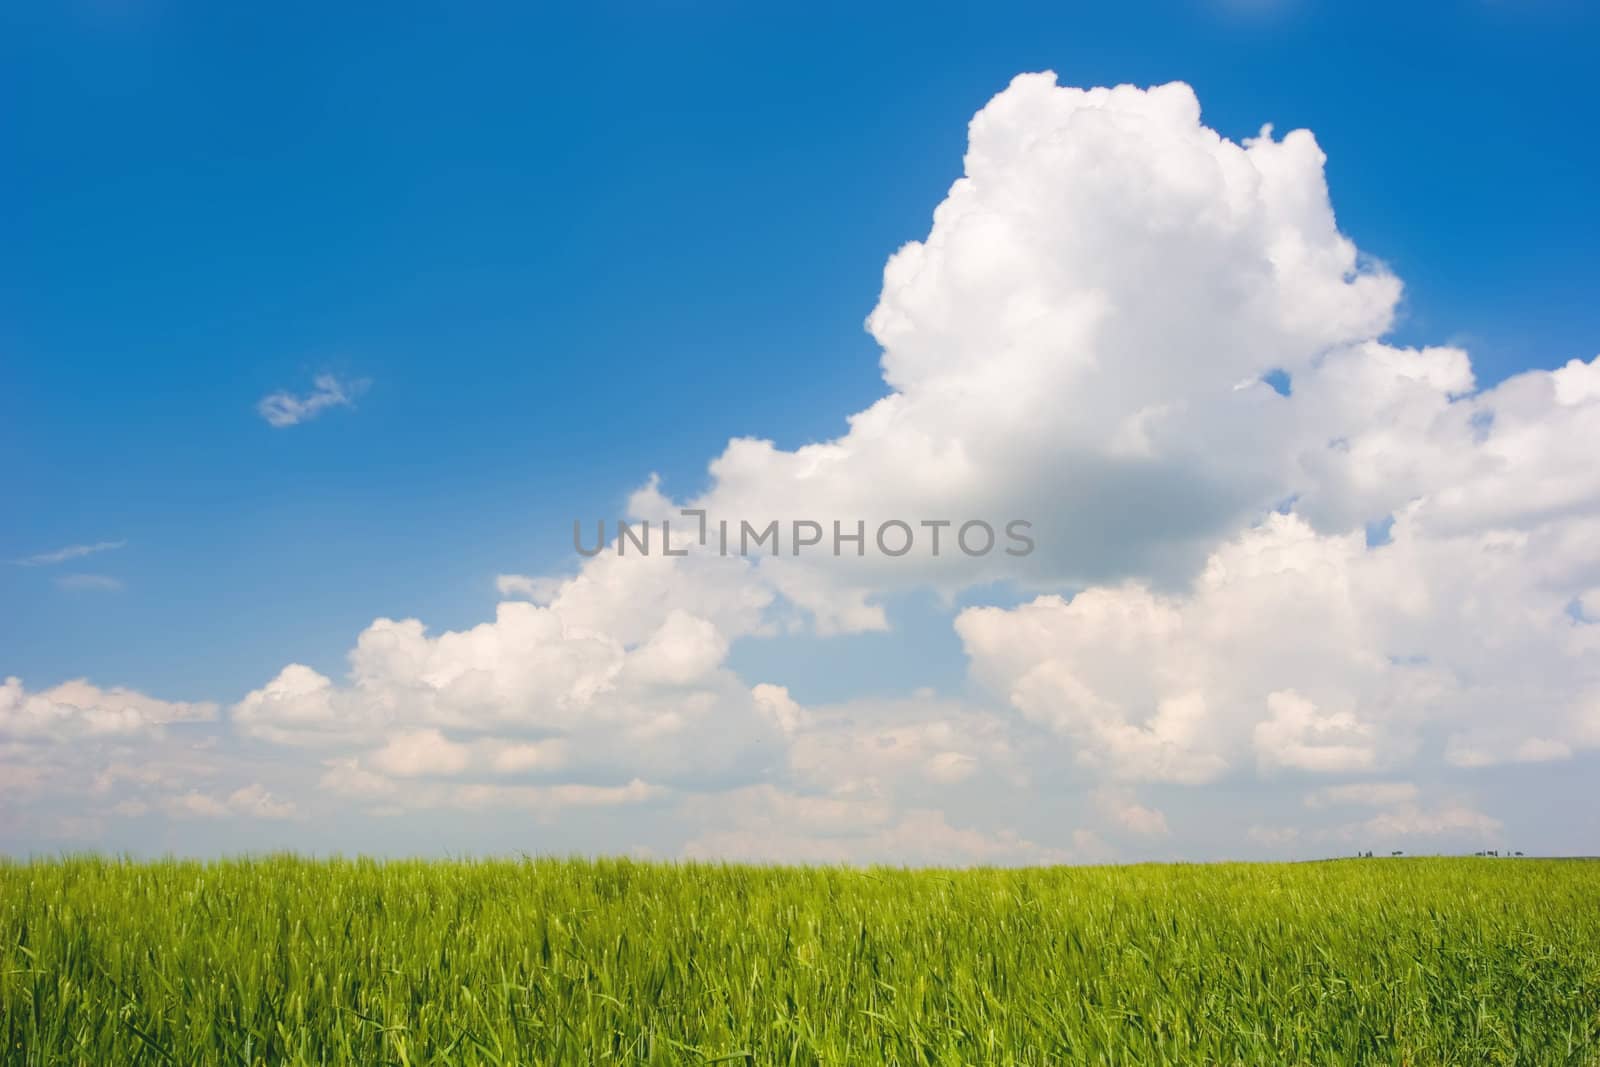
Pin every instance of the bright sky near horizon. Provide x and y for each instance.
(319, 329)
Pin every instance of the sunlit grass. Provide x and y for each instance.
(282, 960)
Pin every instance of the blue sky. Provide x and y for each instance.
(571, 249)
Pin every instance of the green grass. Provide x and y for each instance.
(282, 960)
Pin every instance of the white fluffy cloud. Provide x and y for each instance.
(76, 710)
(251, 800)
(1309, 653)
(1083, 339)
(76, 758)
(1065, 346)
(541, 689)
(421, 753)
(1124, 811)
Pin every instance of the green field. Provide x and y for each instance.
(282, 960)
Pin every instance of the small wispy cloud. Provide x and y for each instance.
(61, 555)
(95, 583)
(282, 409)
